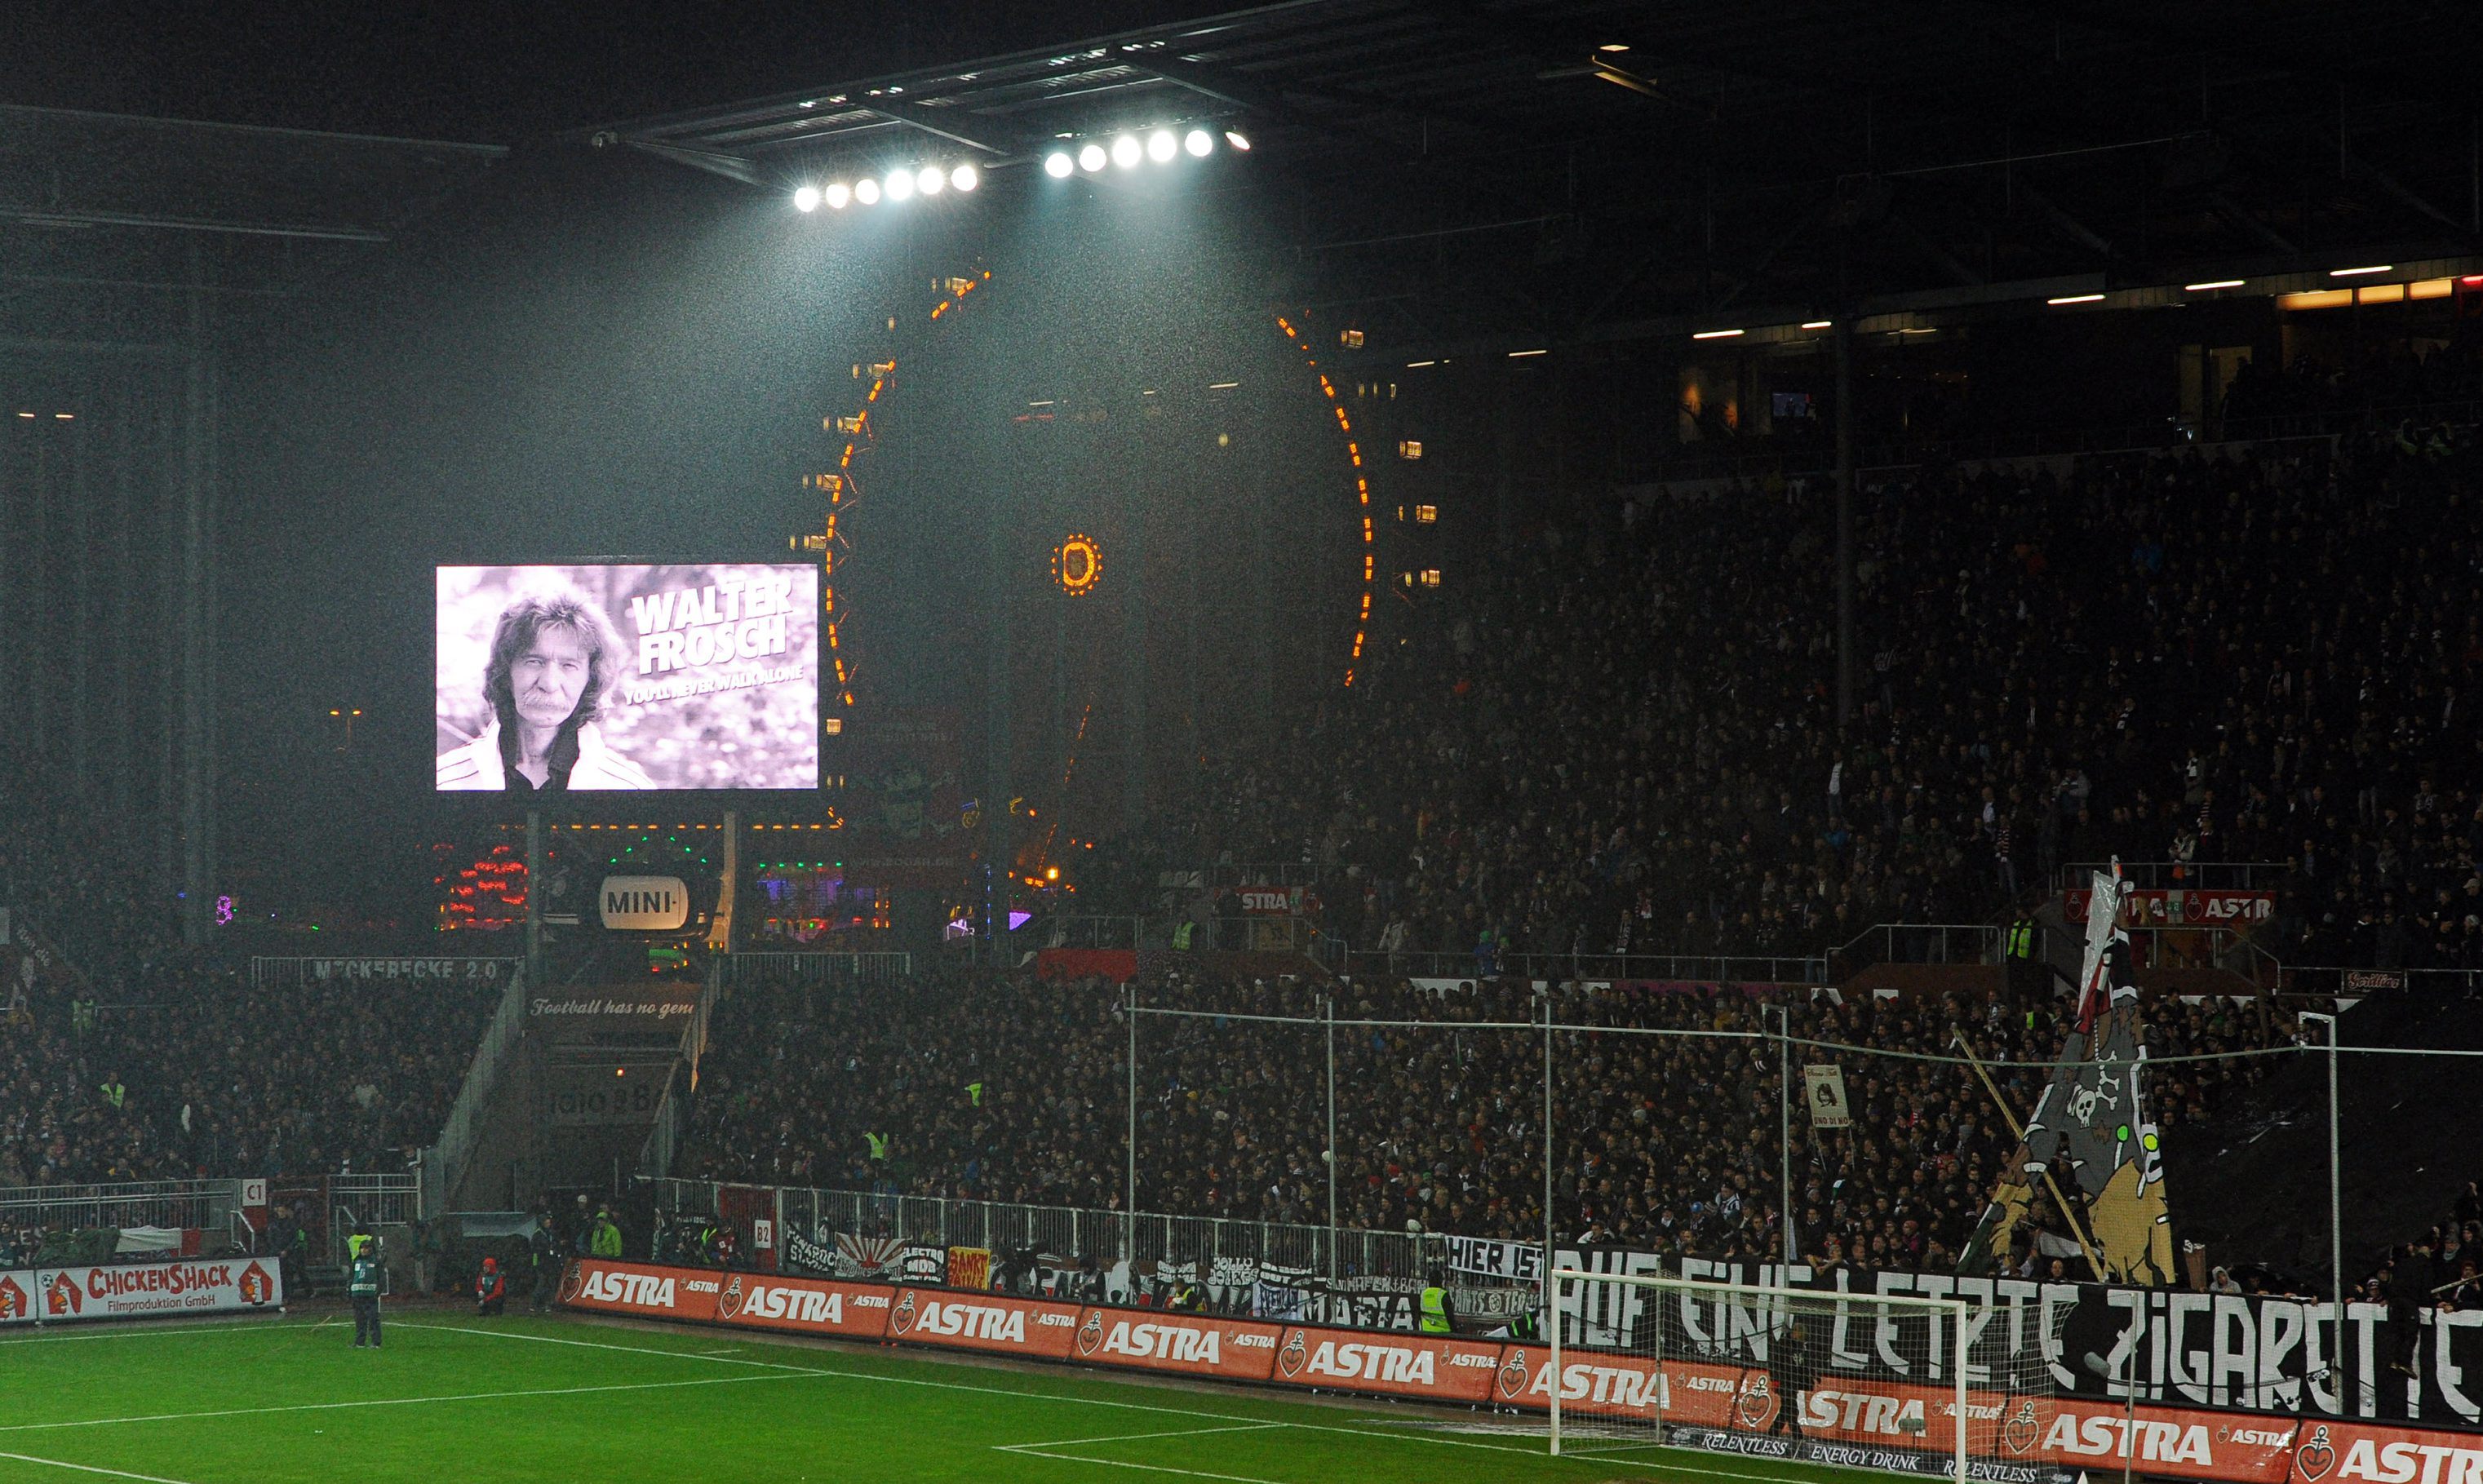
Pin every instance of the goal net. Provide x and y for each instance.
(1930, 1386)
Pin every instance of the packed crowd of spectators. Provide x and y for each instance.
(209, 1075)
(1624, 741)
(1010, 1088)
(124, 1056)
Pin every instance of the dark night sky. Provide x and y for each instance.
(500, 74)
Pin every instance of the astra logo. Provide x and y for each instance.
(1167, 1342)
(2150, 1442)
(1861, 1412)
(803, 1306)
(1374, 1362)
(973, 1321)
(638, 1289)
(2389, 1463)
(1602, 1385)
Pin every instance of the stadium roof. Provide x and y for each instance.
(103, 216)
(72, 169)
(1564, 167)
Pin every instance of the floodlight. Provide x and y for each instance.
(1199, 142)
(898, 185)
(867, 191)
(930, 179)
(1237, 140)
(1090, 159)
(806, 198)
(1057, 165)
(838, 194)
(1161, 146)
(1126, 152)
(965, 178)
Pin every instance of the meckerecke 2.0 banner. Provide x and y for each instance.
(610, 676)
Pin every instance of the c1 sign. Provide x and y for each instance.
(644, 904)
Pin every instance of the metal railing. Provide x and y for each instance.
(1252, 933)
(1239, 873)
(1338, 1254)
(816, 968)
(358, 1201)
(186, 1203)
(446, 1159)
(1118, 932)
(1567, 967)
(2169, 875)
(1918, 942)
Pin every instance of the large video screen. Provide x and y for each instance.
(608, 676)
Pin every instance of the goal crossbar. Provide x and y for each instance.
(1758, 1328)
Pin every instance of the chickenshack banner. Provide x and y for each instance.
(140, 1290)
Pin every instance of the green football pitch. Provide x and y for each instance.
(457, 1400)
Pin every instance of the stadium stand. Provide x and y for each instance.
(1012, 1088)
(130, 1058)
(2226, 655)
(2196, 656)
(2204, 656)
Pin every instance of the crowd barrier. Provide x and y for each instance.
(2180, 1348)
(1868, 1421)
(140, 1290)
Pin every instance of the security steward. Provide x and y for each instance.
(363, 1281)
(1439, 1315)
(1528, 1326)
(542, 1248)
(2024, 970)
(491, 1289)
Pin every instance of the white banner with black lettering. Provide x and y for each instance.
(1512, 1263)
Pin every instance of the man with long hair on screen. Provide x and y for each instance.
(554, 658)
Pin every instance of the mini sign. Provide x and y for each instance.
(655, 904)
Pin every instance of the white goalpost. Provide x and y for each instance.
(1926, 1386)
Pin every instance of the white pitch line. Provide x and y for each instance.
(1668, 1466)
(117, 1473)
(1187, 1432)
(382, 1401)
(1115, 1463)
(962, 1385)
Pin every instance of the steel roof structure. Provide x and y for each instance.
(1582, 166)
